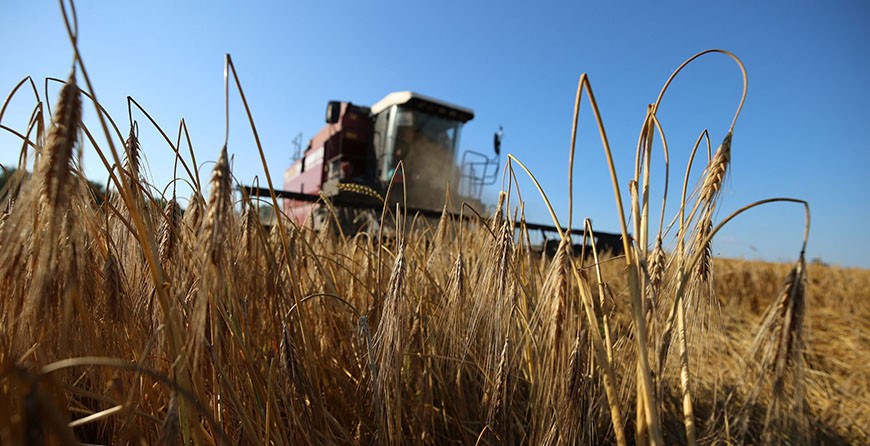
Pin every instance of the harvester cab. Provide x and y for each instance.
(423, 133)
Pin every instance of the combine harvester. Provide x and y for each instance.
(353, 159)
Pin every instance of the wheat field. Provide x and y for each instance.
(125, 319)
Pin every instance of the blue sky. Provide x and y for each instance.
(802, 132)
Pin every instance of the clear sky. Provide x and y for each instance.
(802, 133)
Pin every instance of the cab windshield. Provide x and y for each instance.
(419, 139)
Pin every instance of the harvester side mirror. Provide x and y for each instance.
(496, 140)
(333, 111)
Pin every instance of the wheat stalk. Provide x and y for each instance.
(169, 232)
(716, 171)
(216, 224)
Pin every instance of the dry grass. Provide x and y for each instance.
(132, 322)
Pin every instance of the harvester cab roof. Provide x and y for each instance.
(423, 103)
